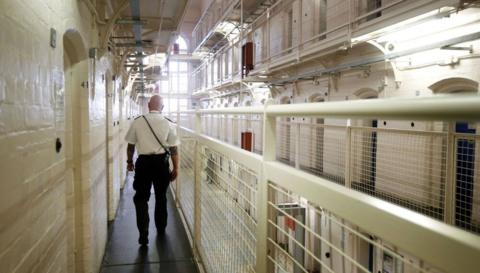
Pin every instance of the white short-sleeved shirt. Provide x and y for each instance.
(141, 135)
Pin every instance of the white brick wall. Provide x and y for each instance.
(37, 194)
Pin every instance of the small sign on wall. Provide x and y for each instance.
(53, 38)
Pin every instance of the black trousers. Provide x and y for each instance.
(151, 169)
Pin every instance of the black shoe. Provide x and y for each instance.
(143, 240)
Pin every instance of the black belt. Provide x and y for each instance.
(152, 155)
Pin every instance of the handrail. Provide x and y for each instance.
(236, 110)
(448, 107)
(446, 247)
(429, 239)
(438, 107)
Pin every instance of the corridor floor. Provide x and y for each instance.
(170, 253)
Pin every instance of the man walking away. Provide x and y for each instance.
(156, 140)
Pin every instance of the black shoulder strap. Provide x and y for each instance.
(169, 120)
(155, 135)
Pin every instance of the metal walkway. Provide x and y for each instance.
(168, 254)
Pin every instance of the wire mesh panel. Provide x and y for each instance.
(187, 180)
(304, 237)
(322, 149)
(404, 167)
(245, 131)
(187, 120)
(256, 124)
(228, 198)
(286, 141)
(213, 126)
(467, 182)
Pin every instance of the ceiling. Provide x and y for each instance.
(150, 24)
(134, 29)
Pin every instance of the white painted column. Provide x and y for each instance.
(348, 155)
(269, 154)
(197, 188)
(450, 183)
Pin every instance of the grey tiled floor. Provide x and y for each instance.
(170, 253)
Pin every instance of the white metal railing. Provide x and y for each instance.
(288, 32)
(210, 19)
(254, 213)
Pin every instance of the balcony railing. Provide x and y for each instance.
(291, 32)
(355, 198)
(210, 19)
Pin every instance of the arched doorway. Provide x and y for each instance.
(75, 75)
(467, 152)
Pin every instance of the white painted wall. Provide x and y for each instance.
(47, 214)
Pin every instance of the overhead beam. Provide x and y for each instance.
(111, 22)
(134, 65)
(130, 22)
(122, 37)
(133, 45)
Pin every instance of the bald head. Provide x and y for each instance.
(155, 103)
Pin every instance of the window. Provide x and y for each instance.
(175, 90)
(182, 45)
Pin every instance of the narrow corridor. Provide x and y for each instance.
(169, 253)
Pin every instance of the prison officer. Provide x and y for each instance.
(154, 137)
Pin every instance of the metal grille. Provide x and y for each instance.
(187, 120)
(404, 167)
(187, 180)
(304, 237)
(228, 194)
(322, 149)
(230, 128)
(286, 141)
(467, 182)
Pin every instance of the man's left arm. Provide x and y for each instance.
(174, 154)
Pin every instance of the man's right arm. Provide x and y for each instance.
(131, 138)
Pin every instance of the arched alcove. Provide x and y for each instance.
(317, 97)
(285, 100)
(76, 171)
(454, 85)
(366, 93)
(74, 46)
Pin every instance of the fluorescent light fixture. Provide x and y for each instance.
(426, 29)
(400, 25)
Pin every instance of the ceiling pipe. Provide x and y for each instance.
(94, 11)
(137, 31)
(111, 22)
